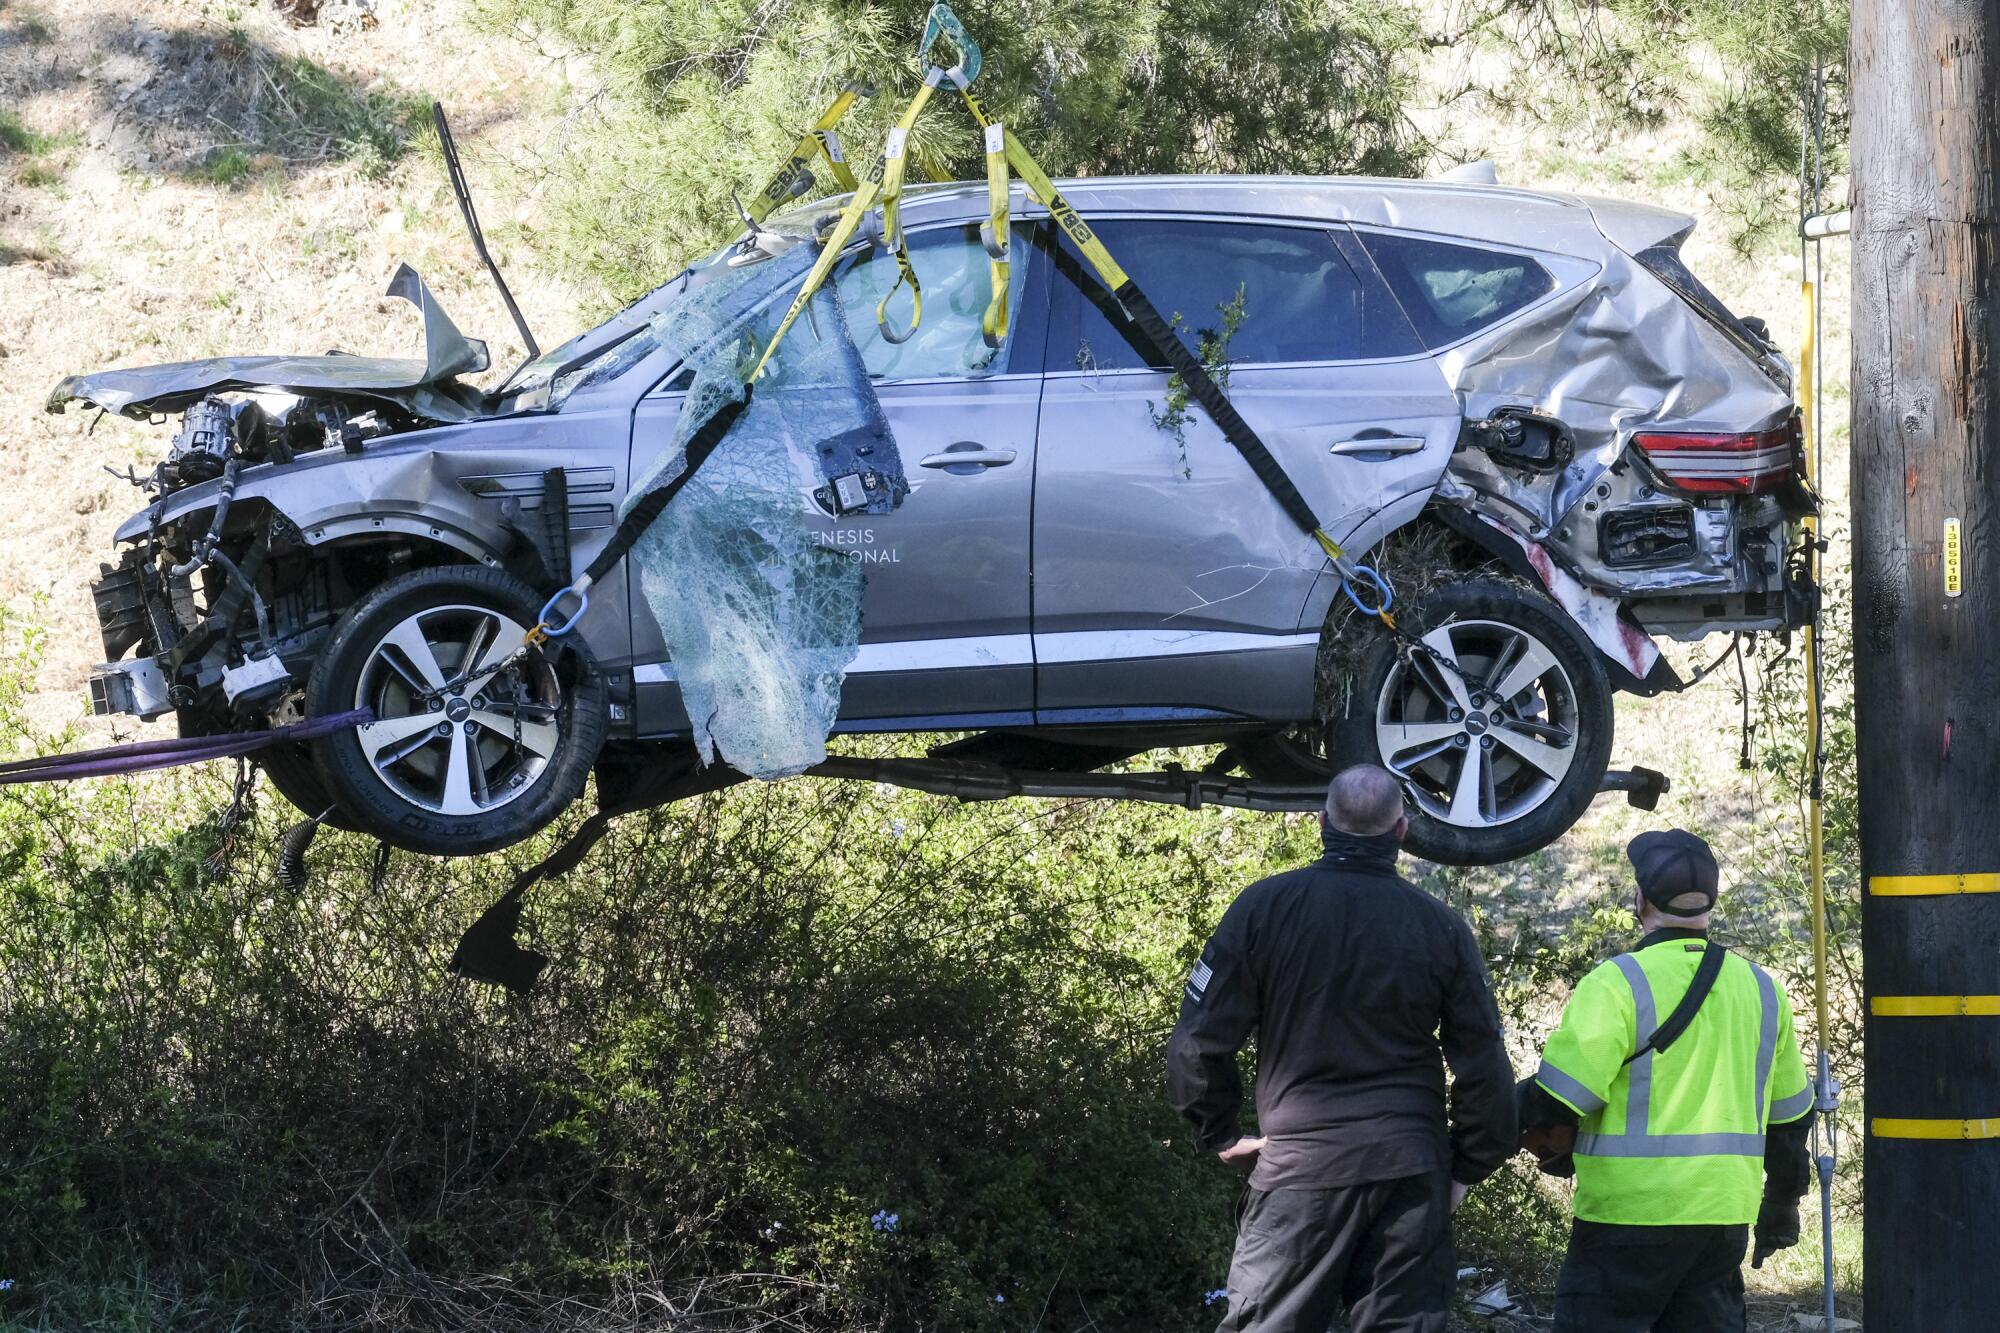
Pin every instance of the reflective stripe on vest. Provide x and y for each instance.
(1581, 1098)
(1645, 1021)
(1670, 1145)
(1767, 1039)
(1637, 1141)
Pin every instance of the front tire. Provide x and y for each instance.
(471, 750)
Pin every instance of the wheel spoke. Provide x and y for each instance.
(1535, 659)
(507, 636)
(1443, 673)
(377, 736)
(1407, 760)
(1395, 739)
(458, 775)
(541, 737)
(1540, 730)
(480, 642)
(1552, 760)
(409, 642)
(1469, 792)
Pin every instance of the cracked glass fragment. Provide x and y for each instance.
(761, 620)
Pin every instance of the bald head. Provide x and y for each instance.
(1364, 800)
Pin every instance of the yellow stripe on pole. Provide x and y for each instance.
(1928, 886)
(1935, 1006)
(1890, 1127)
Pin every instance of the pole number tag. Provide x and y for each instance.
(1954, 562)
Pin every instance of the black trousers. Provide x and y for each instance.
(1383, 1249)
(1618, 1279)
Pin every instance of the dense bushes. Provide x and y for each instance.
(819, 1053)
(773, 1015)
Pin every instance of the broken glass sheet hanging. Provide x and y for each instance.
(761, 618)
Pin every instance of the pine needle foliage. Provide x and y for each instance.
(1726, 81)
(696, 99)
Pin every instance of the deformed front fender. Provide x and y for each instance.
(474, 489)
(339, 497)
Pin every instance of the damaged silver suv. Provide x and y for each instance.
(1553, 440)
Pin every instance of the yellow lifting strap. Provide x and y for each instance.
(858, 204)
(795, 177)
(1815, 819)
(1003, 151)
(895, 164)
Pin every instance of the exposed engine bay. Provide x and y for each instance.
(180, 589)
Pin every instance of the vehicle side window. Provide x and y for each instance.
(1451, 291)
(1290, 294)
(951, 264)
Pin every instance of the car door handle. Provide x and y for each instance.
(959, 456)
(1380, 444)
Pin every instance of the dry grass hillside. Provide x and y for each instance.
(182, 179)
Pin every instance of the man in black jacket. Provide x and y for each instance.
(1355, 983)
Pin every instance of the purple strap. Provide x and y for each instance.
(142, 755)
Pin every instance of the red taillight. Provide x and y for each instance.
(1706, 464)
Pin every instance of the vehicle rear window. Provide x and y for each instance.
(1665, 263)
(1299, 299)
(1451, 291)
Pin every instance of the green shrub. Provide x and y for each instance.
(18, 138)
(314, 109)
(227, 166)
(701, 98)
(773, 1014)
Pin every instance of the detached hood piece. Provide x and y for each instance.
(428, 388)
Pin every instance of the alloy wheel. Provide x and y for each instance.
(1482, 727)
(462, 725)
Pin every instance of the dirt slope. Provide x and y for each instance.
(181, 180)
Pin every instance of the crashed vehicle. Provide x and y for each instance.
(1531, 390)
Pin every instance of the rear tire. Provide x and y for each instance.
(1560, 714)
(1501, 756)
(465, 756)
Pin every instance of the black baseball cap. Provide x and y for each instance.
(1671, 863)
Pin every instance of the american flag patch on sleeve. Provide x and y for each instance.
(1197, 983)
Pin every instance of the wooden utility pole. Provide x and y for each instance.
(1926, 485)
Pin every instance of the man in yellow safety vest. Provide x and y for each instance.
(1677, 1070)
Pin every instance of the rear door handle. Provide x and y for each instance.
(960, 455)
(1380, 444)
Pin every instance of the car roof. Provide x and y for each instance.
(1535, 219)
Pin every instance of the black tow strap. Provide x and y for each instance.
(1201, 386)
(700, 446)
(1677, 1022)
(489, 951)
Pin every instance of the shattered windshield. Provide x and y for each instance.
(760, 618)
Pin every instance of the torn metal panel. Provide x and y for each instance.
(427, 389)
(1596, 613)
(1607, 358)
